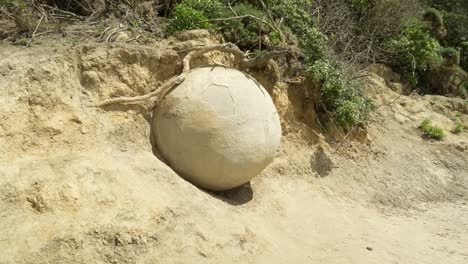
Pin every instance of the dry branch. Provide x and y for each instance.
(113, 33)
(166, 87)
(35, 30)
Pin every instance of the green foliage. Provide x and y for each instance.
(314, 45)
(340, 96)
(450, 55)
(458, 6)
(209, 8)
(463, 89)
(246, 32)
(464, 55)
(415, 50)
(185, 17)
(437, 27)
(21, 42)
(431, 131)
(458, 127)
(457, 29)
(361, 5)
(448, 52)
(7, 3)
(455, 16)
(433, 15)
(295, 14)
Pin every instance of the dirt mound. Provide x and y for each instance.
(80, 184)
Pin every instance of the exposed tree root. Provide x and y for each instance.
(240, 58)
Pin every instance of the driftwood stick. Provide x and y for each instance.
(113, 33)
(35, 30)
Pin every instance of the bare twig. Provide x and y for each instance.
(63, 12)
(296, 81)
(4, 12)
(232, 10)
(35, 30)
(45, 32)
(361, 76)
(114, 32)
(264, 58)
(104, 32)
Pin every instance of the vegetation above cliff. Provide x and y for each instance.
(426, 41)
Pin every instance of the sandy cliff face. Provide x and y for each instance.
(80, 184)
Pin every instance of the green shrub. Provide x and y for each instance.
(415, 51)
(21, 42)
(455, 16)
(340, 96)
(464, 55)
(450, 55)
(294, 13)
(246, 33)
(361, 5)
(431, 131)
(434, 16)
(458, 127)
(8, 3)
(209, 8)
(184, 18)
(437, 27)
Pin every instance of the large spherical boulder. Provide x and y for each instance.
(218, 129)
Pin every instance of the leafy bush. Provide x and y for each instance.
(185, 17)
(415, 50)
(7, 3)
(295, 14)
(450, 56)
(361, 5)
(209, 8)
(434, 17)
(340, 96)
(455, 16)
(246, 33)
(458, 127)
(431, 131)
(464, 55)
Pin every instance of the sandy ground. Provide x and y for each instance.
(81, 184)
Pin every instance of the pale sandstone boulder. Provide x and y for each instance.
(218, 129)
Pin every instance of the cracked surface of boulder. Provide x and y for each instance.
(218, 129)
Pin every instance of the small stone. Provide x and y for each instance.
(369, 248)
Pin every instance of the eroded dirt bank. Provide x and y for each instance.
(81, 185)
